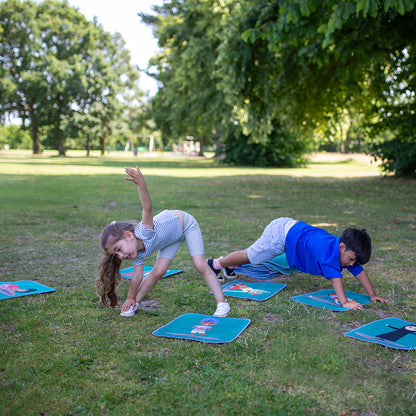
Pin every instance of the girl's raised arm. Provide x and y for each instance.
(136, 176)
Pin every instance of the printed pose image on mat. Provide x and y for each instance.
(244, 288)
(203, 328)
(128, 272)
(258, 291)
(12, 289)
(311, 250)
(163, 233)
(391, 332)
(328, 299)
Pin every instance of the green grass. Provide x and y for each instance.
(63, 354)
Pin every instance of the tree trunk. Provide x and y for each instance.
(88, 146)
(201, 147)
(35, 134)
(103, 141)
(61, 138)
(61, 147)
(347, 141)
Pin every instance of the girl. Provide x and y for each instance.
(163, 233)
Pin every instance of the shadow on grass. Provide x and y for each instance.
(155, 163)
(176, 163)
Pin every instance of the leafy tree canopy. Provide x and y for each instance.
(55, 63)
(297, 68)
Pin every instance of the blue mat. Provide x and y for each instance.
(252, 290)
(267, 270)
(22, 288)
(203, 328)
(390, 332)
(327, 299)
(129, 272)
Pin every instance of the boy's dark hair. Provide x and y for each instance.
(359, 242)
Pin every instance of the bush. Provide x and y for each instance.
(397, 156)
(280, 149)
(15, 137)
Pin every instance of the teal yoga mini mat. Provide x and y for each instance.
(252, 290)
(128, 272)
(327, 299)
(22, 288)
(267, 270)
(203, 328)
(391, 332)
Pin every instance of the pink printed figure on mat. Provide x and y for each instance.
(246, 289)
(205, 325)
(10, 289)
(335, 298)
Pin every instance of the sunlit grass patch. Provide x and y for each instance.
(64, 354)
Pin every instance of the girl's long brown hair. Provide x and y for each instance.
(109, 267)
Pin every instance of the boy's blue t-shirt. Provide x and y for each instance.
(315, 251)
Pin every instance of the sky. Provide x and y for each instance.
(121, 16)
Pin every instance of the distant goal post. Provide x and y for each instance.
(130, 142)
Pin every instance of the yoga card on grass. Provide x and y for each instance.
(390, 332)
(249, 290)
(327, 299)
(21, 288)
(204, 328)
(129, 272)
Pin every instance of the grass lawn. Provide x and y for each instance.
(63, 354)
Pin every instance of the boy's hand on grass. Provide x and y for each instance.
(378, 299)
(352, 304)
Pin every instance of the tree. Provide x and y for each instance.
(250, 78)
(331, 59)
(189, 102)
(109, 87)
(40, 53)
(203, 64)
(54, 64)
(21, 83)
(287, 69)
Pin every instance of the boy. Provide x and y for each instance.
(310, 250)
